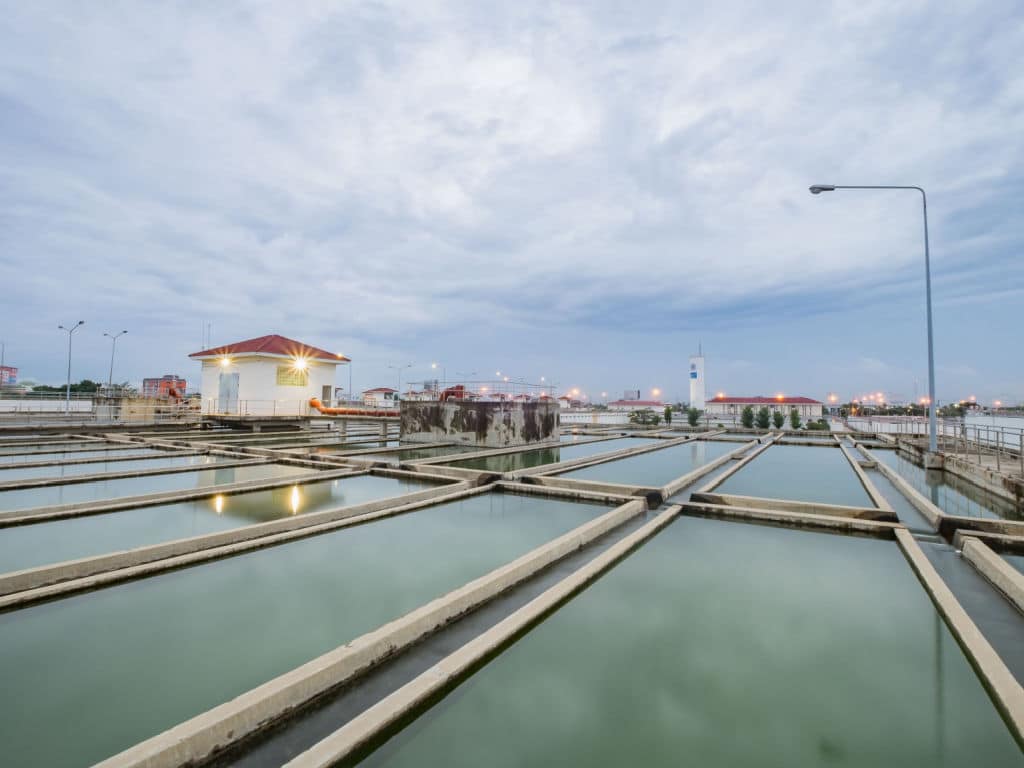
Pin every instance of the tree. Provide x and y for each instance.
(764, 418)
(693, 416)
(668, 414)
(794, 419)
(747, 417)
(778, 419)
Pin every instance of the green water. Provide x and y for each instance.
(509, 462)
(13, 458)
(657, 468)
(948, 492)
(90, 675)
(135, 486)
(411, 454)
(27, 546)
(719, 645)
(97, 467)
(801, 473)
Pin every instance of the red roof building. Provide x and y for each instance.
(271, 346)
(807, 407)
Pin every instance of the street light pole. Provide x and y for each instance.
(69, 331)
(113, 346)
(399, 369)
(817, 189)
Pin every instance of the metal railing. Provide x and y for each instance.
(993, 446)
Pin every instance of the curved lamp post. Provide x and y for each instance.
(817, 189)
(69, 331)
(113, 346)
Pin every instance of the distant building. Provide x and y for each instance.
(631, 394)
(8, 375)
(162, 387)
(698, 392)
(635, 405)
(733, 406)
(266, 376)
(381, 397)
(419, 395)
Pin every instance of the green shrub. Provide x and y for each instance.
(778, 419)
(747, 417)
(693, 416)
(764, 418)
(794, 419)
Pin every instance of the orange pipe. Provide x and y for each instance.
(316, 404)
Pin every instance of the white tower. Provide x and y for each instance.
(697, 390)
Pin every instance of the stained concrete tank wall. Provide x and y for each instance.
(486, 424)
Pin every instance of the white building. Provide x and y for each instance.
(381, 397)
(266, 376)
(733, 406)
(698, 393)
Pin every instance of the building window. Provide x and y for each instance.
(290, 376)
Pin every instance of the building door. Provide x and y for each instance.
(227, 396)
(325, 393)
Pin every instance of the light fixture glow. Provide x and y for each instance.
(295, 499)
(300, 364)
(225, 362)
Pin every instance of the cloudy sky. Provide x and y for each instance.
(581, 191)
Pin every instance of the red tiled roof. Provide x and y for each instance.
(271, 346)
(379, 389)
(636, 402)
(759, 400)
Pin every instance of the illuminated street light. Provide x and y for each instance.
(817, 189)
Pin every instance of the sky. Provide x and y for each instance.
(583, 192)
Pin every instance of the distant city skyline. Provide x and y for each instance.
(571, 192)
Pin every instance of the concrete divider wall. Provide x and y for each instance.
(1003, 688)
(876, 498)
(749, 457)
(390, 711)
(995, 569)
(44, 482)
(200, 736)
(601, 458)
(788, 505)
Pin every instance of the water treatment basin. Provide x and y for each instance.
(723, 644)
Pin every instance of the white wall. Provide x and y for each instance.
(258, 391)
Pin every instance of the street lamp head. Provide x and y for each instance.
(817, 189)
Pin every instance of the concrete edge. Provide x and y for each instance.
(789, 505)
(792, 519)
(1003, 576)
(207, 546)
(552, 470)
(749, 457)
(390, 711)
(506, 450)
(46, 482)
(109, 460)
(62, 511)
(524, 489)
(997, 542)
(873, 493)
(653, 495)
(692, 476)
(929, 511)
(1006, 693)
(227, 723)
